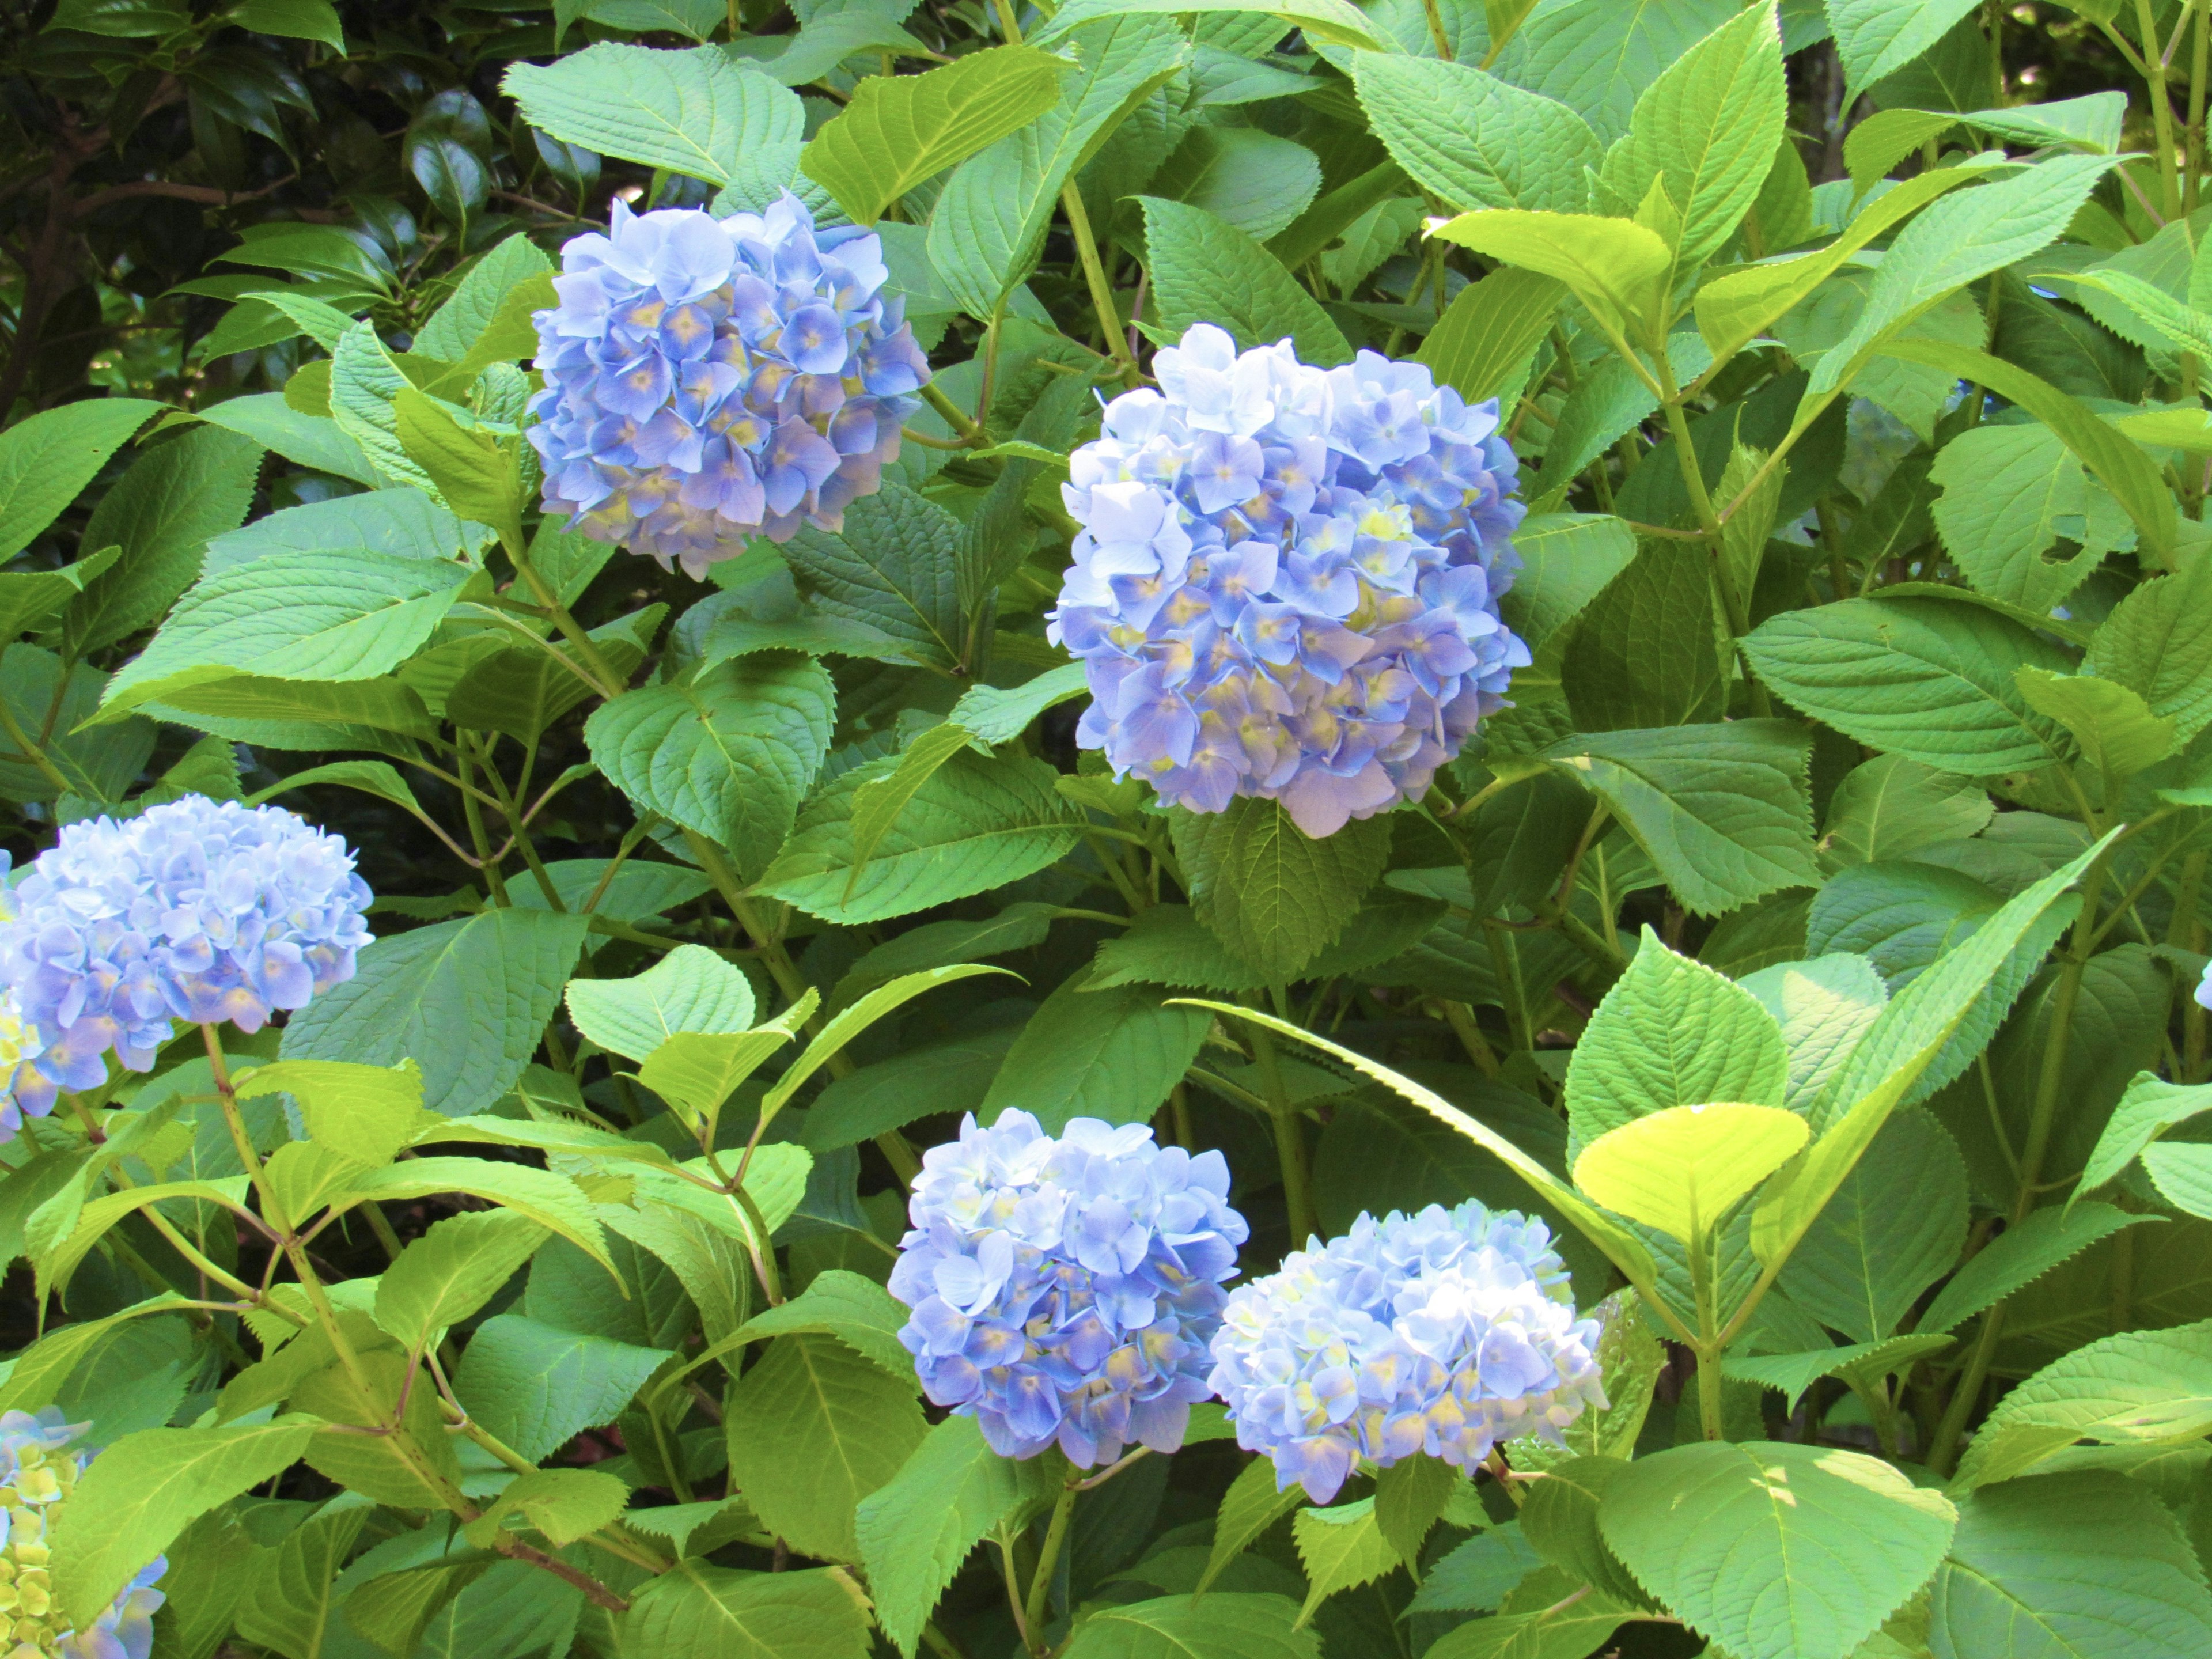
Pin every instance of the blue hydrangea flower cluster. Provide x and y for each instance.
(1447, 1333)
(707, 380)
(1065, 1288)
(194, 909)
(1286, 582)
(37, 1477)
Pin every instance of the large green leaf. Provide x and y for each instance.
(350, 616)
(1274, 895)
(1776, 1548)
(1221, 1626)
(1485, 344)
(288, 1606)
(2141, 1387)
(140, 1492)
(1671, 1032)
(467, 1000)
(899, 129)
(729, 753)
(976, 824)
(1890, 806)
(915, 1530)
(1615, 266)
(160, 513)
(1877, 37)
(537, 1387)
(1681, 1168)
(1473, 139)
(2158, 643)
(45, 459)
(1895, 1227)
(990, 220)
(690, 989)
(893, 568)
(1824, 1007)
(2087, 1564)
(813, 1429)
(1112, 1054)
(697, 1611)
(1706, 129)
(1335, 20)
(696, 113)
(452, 1271)
(1205, 270)
(2021, 1254)
(1929, 679)
(2009, 493)
(1722, 810)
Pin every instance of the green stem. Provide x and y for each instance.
(1733, 604)
(974, 436)
(1709, 1395)
(610, 684)
(1094, 277)
(1436, 29)
(2162, 110)
(1055, 1535)
(1290, 1138)
(31, 751)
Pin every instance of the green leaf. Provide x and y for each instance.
(1112, 1054)
(2119, 734)
(977, 823)
(39, 1371)
(1891, 806)
(878, 803)
(1721, 809)
(293, 1592)
(1895, 1226)
(859, 1312)
(1219, 1626)
(2141, 1387)
(1877, 37)
(314, 442)
(1743, 302)
(851, 1020)
(915, 1530)
(486, 317)
(1248, 179)
(1671, 1032)
(364, 1113)
(690, 989)
(1824, 1007)
(1963, 238)
(996, 715)
(696, 1610)
(561, 1505)
(696, 113)
(1559, 1520)
(1679, 1170)
(2158, 643)
(321, 616)
(1274, 895)
(2119, 464)
(1567, 559)
(697, 1071)
(451, 1272)
(1613, 679)
(2086, 1562)
(466, 1000)
(894, 569)
(1252, 1504)
(1484, 344)
(989, 222)
(899, 129)
(1204, 269)
(48, 457)
(813, 1429)
(1334, 21)
(1929, 679)
(2150, 1107)
(729, 753)
(1773, 1547)
(30, 599)
(1900, 1051)
(471, 470)
(1341, 1549)
(1706, 129)
(1478, 1575)
(1615, 267)
(1410, 1496)
(2021, 1254)
(537, 1388)
(549, 1199)
(1863, 1365)
(1473, 139)
(160, 513)
(294, 19)
(140, 1493)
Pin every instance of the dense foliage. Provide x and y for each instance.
(1202, 829)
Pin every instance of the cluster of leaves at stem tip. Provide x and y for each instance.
(1137, 830)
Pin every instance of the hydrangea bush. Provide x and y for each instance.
(1402, 848)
